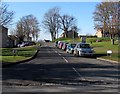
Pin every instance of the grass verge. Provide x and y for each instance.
(24, 53)
(102, 47)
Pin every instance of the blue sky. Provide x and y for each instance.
(82, 11)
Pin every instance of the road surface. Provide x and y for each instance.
(54, 70)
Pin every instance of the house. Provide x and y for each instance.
(70, 34)
(3, 37)
(7, 40)
(27, 39)
(100, 33)
(13, 40)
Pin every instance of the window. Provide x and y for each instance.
(84, 46)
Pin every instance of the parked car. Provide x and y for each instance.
(64, 47)
(61, 44)
(31, 43)
(83, 49)
(18, 45)
(70, 48)
(26, 43)
(56, 43)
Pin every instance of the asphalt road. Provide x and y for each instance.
(54, 70)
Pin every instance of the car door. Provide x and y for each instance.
(75, 49)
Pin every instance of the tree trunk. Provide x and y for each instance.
(112, 41)
(65, 31)
(53, 37)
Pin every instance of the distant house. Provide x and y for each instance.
(100, 33)
(3, 37)
(27, 39)
(13, 40)
(70, 34)
(7, 40)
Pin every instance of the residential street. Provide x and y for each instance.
(54, 70)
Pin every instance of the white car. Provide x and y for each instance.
(83, 49)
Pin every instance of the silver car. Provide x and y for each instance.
(83, 49)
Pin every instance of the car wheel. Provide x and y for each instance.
(74, 54)
(77, 53)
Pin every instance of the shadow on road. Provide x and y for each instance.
(56, 73)
(100, 55)
(49, 67)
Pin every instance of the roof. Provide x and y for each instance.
(2, 27)
(12, 37)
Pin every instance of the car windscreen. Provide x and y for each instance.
(73, 45)
(84, 46)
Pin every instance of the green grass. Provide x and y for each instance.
(12, 58)
(100, 47)
(7, 54)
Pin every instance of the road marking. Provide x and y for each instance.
(65, 59)
(59, 54)
(74, 69)
(56, 52)
(78, 73)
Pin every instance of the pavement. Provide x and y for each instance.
(53, 70)
(111, 61)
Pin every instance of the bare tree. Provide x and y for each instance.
(6, 16)
(115, 21)
(106, 17)
(51, 22)
(74, 29)
(28, 26)
(66, 23)
(20, 32)
(100, 16)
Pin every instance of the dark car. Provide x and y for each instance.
(56, 43)
(31, 43)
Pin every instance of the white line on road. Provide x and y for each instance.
(59, 54)
(74, 69)
(78, 73)
(56, 52)
(65, 59)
